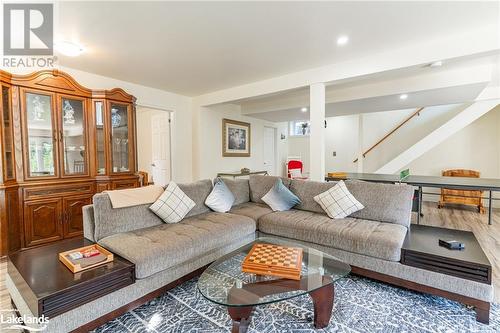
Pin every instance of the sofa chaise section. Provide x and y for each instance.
(161, 247)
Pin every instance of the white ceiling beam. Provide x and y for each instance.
(483, 40)
(420, 82)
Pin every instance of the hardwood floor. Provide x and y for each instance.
(5, 298)
(463, 218)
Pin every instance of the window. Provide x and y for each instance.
(300, 128)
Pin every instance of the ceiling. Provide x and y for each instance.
(432, 97)
(193, 48)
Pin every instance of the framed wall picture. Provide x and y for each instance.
(235, 138)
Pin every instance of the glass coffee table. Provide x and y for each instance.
(224, 283)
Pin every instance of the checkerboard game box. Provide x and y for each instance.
(274, 260)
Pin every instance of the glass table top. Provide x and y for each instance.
(223, 282)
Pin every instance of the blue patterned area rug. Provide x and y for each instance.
(361, 305)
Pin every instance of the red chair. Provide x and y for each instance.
(295, 169)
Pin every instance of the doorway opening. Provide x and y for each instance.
(154, 143)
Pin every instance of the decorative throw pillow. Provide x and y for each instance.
(173, 205)
(280, 198)
(220, 199)
(338, 202)
(295, 173)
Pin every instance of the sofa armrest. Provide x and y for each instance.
(88, 222)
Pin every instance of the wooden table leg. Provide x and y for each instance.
(323, 305)
(240, 317)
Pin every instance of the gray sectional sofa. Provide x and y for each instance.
(370, 240)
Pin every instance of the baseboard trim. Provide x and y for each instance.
(482, 308)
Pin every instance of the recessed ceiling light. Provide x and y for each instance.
(304, 109)
(342, 40)
(436, 64)
(403, 96)
(69, 49)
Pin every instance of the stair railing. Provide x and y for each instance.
(416, 113)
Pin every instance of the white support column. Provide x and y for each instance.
(360, 143)
(317, 137)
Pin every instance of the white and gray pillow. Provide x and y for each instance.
(338, 202)
(173, 205)
(221, 199)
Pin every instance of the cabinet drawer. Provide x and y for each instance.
(101, 187)
(83, 293)
(40, 192)
(461, 269)
(123, 184)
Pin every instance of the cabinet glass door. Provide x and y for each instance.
(8, 135)
(120, 140)
(74, 148)
(40, 135)
(100, 142)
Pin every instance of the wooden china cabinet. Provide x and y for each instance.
(61, 144)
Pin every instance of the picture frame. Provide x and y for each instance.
(236, 138)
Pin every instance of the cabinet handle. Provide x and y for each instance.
(60, 136)
(61, 219)
(56, 136)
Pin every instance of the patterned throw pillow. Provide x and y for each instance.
(280, 198)
(338, 202)
(220, 199)
(173, 205)
(295, 173)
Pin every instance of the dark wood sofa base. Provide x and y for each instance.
(482, 308)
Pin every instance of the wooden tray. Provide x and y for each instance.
(275, 260)
(78, 268)
(340, 175)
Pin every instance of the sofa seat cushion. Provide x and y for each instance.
(158, 248)
(251, 209)
(371, 238)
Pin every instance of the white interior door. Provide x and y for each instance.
(160, 147)
(270, 150)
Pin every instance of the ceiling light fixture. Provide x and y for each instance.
(304, 109)
(69, 49)
(342, 40)
(403, 96)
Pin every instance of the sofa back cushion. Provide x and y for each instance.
(389, 203)
(109, 221)
(260, 185)
(198, 192)
(306, 191)
(239, 188)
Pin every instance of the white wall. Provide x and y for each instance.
(210, 138)
(282, 147)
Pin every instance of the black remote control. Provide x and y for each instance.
(452, 244)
